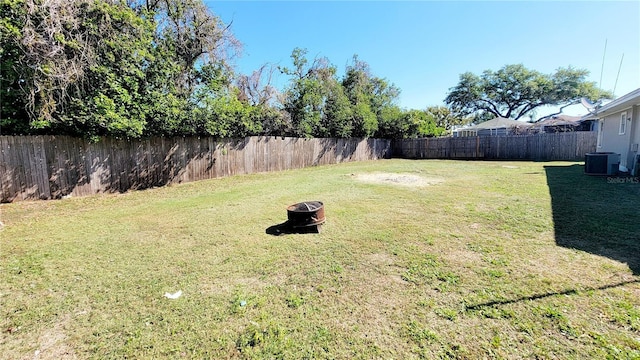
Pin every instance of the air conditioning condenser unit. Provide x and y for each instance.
(601, 163)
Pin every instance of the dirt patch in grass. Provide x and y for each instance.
(226, 286)
(380, 259)
(53, 344)
(401, 179)
(395, 279)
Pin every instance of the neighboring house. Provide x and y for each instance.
(563, 123)
(619, 129)
(497, 126)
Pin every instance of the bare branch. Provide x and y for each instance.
(559, 111)
(55, 51)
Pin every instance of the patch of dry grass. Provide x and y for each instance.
(491, 261)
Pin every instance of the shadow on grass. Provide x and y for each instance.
(599, 215)
(287, 228)
(542, 296)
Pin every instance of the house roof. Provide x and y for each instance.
(561, 119)
(589, 117)
(621, 103)
(498, 123)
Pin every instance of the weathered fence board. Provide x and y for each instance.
(50, 167)
(539, 147)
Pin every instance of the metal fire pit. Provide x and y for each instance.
(306, 214)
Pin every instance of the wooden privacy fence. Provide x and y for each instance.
(50, 167)
(568, 146)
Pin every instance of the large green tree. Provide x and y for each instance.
(514, 91)
(96, 67)
(109, 97)
(320, 105)
(163, 67)
(306, 97)
(370, 97)
(396, 123)
(79, 66)
(12, 102)
(256, 91)
(445, 118)
(338, 114)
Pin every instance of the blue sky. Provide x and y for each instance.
(423, 46)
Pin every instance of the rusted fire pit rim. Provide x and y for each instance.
(306, 207)
(307, 213)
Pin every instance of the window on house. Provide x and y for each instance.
(600, 132)
(623, 123)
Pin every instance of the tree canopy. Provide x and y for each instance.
(359, 104)
(89, 68)
(445, 118)
(164, 68)
(514, 91)
(141, 68)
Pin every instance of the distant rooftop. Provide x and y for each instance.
(499, 123)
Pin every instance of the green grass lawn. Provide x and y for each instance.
(484, 260)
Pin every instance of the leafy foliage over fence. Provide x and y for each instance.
(539, 147)
(50, 167)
